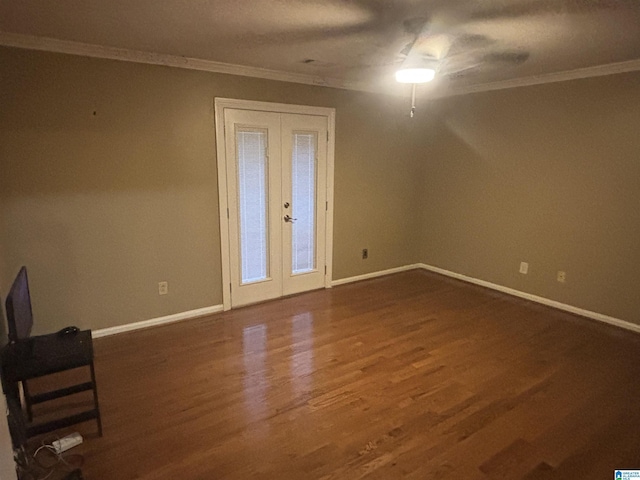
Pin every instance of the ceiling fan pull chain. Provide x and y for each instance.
(413, 100)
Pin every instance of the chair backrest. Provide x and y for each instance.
(18, 304)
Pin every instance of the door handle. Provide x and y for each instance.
(287, 218)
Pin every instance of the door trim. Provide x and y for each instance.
(220, 104)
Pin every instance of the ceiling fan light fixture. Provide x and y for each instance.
(415, 75)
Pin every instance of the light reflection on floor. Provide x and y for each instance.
(254, 348)
(302, 354)
(258, 380)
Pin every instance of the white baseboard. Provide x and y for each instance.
(176, 317)
(381, 273)
(201, 312)
(534, 298)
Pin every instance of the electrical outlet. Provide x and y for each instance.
(524, 268)
(562, 276)
(163, 288)
(365, 253)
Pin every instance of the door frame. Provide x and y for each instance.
(220, 104)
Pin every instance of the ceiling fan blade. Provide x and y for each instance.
(457, 71)
(512, 57)
(516, 9)
(434, 46)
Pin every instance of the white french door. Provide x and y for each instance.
(276, 190)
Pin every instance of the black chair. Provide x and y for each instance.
(26, 358)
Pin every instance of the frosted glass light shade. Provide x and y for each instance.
(415, 75)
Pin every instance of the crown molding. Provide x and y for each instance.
(32, 42)
(577, 74)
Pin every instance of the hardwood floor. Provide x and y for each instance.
(410, 376)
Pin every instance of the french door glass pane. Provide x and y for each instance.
(253, 174)
(303, 200)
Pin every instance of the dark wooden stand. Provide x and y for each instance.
(45, 355)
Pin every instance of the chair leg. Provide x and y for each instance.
(27, 400)
(95, 398)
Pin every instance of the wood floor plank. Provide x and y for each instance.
(412, 376)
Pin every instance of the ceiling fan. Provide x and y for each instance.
(449, 53)
(446, 40)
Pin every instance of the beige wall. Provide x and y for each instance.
(7, 466)
(102, 207)
(5, 276)
(546, 174)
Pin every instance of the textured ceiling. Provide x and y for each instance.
(362, 42)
